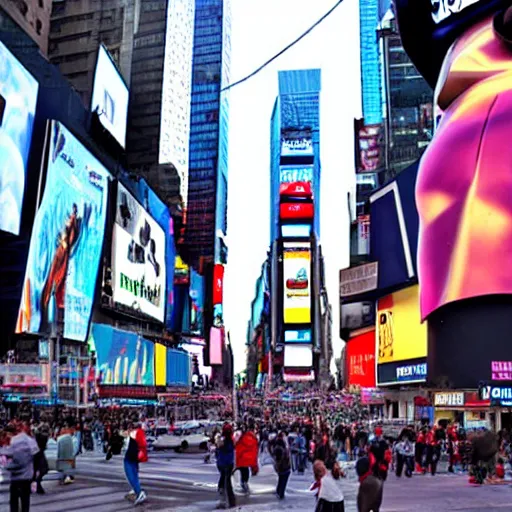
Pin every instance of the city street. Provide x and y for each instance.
(183, 483)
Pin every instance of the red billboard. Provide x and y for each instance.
(296, 211)
(218, 284)
(296, 189)
(360, 360)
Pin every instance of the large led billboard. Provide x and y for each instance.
(18, 97)
(360, 357)
(123, 357)
(110, 96)
(401, 337)
(296, 143)
(297, 283)
(296, 211)
(295, 230)
(295, 173)
(138, 258)
(298, 356)
(67, 240)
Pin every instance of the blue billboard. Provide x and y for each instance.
(295, 173)
(67, 240)
(122, 357)
(18, 97)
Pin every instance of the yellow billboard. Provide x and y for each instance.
(400, 333)
(297, 283)
(160, 365)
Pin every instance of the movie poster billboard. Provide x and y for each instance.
(67, 240)
(297, 283)
(123, 357)
(138, 258)
(18, 97)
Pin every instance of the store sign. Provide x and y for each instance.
(455, 399)
(293, 174)
(411, 372)
(360, 279)
(138, 258)
(501, 395)
(501, 370)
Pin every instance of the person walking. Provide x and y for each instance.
(330, 496)
(136, 452)
(247, 455)
(282, 465)
(20, 453)
(40, 462)
(225, 462)
(371, 487)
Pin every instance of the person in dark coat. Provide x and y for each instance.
(282, 464)
(40, 463)
(371, 488)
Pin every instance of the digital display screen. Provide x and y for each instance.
(298, 356)
(138, 258)
(295, 230)
(298, 336)
(110, 96)
(297, 283)
(67, 240)
(18, 98)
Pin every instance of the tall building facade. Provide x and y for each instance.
(409, 103)
(79, 27)
(33, 16)
(158, 128)
(206, 220)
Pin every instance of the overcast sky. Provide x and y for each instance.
(261, 28)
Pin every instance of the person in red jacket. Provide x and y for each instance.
(136, 452)
(246, 455)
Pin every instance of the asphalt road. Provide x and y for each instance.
(184, 483)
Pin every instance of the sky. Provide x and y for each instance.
(260, 29)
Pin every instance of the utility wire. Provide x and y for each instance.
(285, 49)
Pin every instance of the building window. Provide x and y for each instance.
(23, 8)
(39, 27)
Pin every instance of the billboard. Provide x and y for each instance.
(357, 315)
(297, 283)
(292, 211)
(138, 258)
(216, 345)
(296, 173)
(66, 241)
(401, 337)
(296, 230)
(18, 97)
(218, 284)
(297, 189)
(296, 143)
(160, 365)
(360, 357)
(122, 357)
(298, 356)
(110, 96)
(298, 336)
(369, 147)
(357, 280)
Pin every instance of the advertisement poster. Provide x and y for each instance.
(160, 365)
(360, 357)
(294, 173)
(401, 335)
(297, 284)
(67, 240)
(123, 357)
(138, 258)
(298, 356)
(18, 97)
(110, 96)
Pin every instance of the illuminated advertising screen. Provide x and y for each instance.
(110, 96)
(298, 336)
(67, 240)
(216, 345)
(160, 365)
(122, 357)
(298, 356)
(296, 144)
(196, 350)
(294, 173)
(18, 97)
(401, 337)
(360, 357)
(218, 284)
(292, 211)
(138, 258)
(296, 230)
(296, 189)
(297, 283)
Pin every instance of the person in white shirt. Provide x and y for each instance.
(330, 496)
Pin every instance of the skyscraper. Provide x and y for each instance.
(208, 150)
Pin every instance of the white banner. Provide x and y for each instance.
(138, 258)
